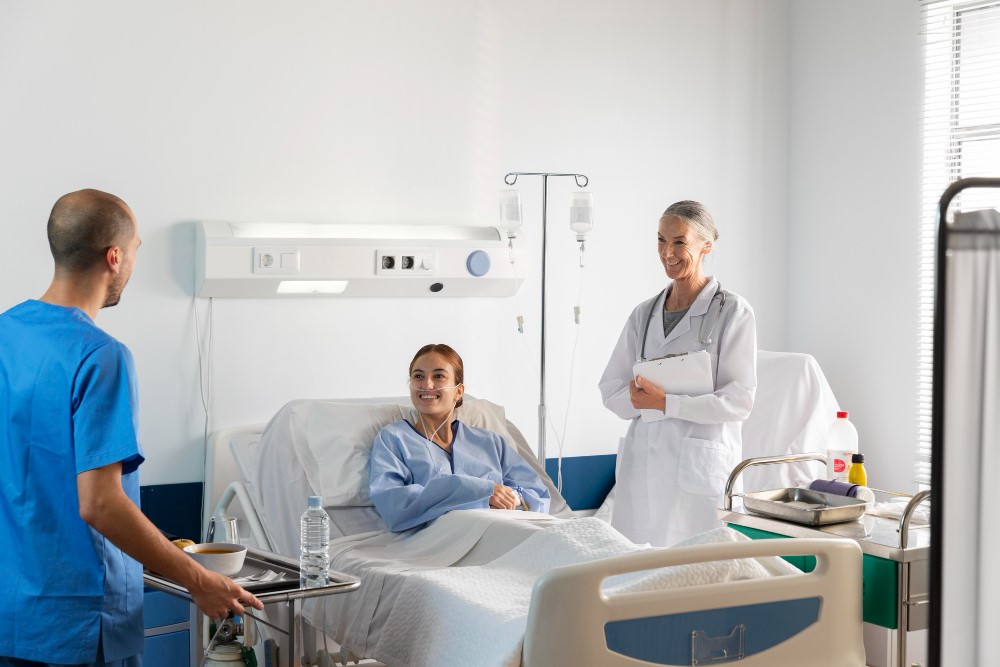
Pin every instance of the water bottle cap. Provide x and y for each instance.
(315, 501)
(857, 458)
(842, 414)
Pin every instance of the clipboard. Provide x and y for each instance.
(685, 374)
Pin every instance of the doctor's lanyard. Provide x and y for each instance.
(702, 338)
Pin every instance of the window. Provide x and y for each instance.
(961, 139)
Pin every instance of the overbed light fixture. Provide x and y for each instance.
(581, 222)
(317, 260)
(312, 287)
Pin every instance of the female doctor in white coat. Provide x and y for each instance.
(673, 469)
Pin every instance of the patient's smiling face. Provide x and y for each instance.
(433, 389)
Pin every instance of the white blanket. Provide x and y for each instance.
(476, 615)
(384, 560)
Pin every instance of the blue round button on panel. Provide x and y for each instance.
(478, 263)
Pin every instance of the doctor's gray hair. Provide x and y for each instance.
(696, 215)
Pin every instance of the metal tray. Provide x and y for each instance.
(284, 586)
(812, 508)
(259, 575)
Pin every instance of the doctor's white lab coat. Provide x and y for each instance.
(672, 472)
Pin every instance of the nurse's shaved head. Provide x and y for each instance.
(83, 225)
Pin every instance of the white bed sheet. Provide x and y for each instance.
(382, 559)
(458, 591)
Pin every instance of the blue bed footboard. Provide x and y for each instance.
(667, 640)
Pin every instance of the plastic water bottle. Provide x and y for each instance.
(841, 445)
(314, 542)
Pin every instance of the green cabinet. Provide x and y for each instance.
(880, 580)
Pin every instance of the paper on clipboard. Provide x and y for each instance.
(685, 374)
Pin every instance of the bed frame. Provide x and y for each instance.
(812, 618)
(224, 481)
(809, 619)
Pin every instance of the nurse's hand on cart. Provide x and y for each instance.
(216, 594)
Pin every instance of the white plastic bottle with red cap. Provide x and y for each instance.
(841, 444)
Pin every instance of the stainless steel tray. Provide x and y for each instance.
(282, 586)
(812, 508)
(260, 575)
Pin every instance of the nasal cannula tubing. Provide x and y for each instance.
(440, 426)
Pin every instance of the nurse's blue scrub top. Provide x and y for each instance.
(68, 403)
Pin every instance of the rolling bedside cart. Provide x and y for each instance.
(895, 560)
(285, 588)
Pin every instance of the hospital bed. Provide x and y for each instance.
(315, 447)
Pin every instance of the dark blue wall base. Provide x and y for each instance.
(174, 508)
(586, 479)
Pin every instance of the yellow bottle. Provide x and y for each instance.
(857, 474)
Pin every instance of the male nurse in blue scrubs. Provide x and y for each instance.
(73, 537)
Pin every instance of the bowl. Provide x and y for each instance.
(222, 557)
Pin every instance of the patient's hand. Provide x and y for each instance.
(503, 498)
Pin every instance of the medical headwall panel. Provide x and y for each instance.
(238, 259)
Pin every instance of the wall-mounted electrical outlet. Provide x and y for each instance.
(285, 260)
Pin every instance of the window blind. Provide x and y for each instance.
(961, 138)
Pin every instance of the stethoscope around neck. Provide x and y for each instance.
(702, 338)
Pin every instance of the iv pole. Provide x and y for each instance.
(581, 182)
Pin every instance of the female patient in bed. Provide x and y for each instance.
(420, 471)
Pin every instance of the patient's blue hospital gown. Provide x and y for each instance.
(414, 481)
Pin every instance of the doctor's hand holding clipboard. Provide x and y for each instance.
(688, 374)
(684, 375)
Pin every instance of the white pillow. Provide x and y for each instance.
(333, 441)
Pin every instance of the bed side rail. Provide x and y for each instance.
(569, 611)
(237, 491)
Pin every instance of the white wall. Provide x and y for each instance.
(854, 215)
(797, 123)
(383, 111)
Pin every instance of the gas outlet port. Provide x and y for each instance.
(406, 261)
